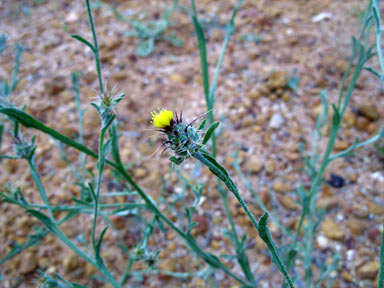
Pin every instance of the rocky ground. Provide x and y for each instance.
(261, 117)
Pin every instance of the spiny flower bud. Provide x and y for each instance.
(24, 149)
(106, 105)
(182, 138)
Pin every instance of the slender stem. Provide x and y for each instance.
(229, 31)
(308, 252)
(380, 278)
(127, 271)
(73, 246)
(101, 206)
(342, 105)
(87, 258)
(263, 231)
(15, 71)
(96, 48)
(36, 177)
(259, 201)
(209, 92)
(60, 233)
(301, 221)
(242, 258)
(354, 50)
(33, 241)
(100, 168)
(230, 185)
(83, 157)
(376, 11)
(210, 89)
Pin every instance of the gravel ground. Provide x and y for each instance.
(261, 118)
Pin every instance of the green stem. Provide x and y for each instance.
(52, 225)
(96, 48)
(33, 241)
(229, 183)
(83, 157)
(36, 177)
(242, 258)
(380, 278)
(259, 202)
(100, 168)
(222, 174)
(209, 92)
(86, 257)
(101, 206)
(127, 271)
(376, 12)
(354, 51)
(308, 277)
(210, 89)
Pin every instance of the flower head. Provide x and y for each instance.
(162, 118)
(182, 138)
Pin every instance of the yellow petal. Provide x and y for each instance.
(162, 118)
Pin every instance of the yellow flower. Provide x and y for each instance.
(162, 118)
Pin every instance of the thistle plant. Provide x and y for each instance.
(184, 140)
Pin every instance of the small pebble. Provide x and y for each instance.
(276, 121)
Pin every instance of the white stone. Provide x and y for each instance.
(322, 241)
(350, 254)
(322, 16)
(276, 121)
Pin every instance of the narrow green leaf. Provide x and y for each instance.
(376, 15)
(84, 41)
(203, 53)
(108, 120)
(1, 133)
(267, 238)
(9, 157)
(336, 116)
(90, 186)
(29, 121)
(115, 144)
(373, 71)
(217, 169)
(3, 42)
(211, 129)
(202, 125)
(98, 246)
(82, 202)
(46, 221)
(55, 230)
(58, 276)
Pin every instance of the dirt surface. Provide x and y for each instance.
(260, 117)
